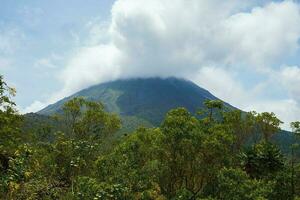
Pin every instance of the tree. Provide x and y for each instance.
(296, 131)
(268, 124)
(72, 112)
(296, 128)
(90, 188)
(87, 118)
(235, 184)
(262, 160)
(242, 125)
(181, 134)
(185, 158)
(192, 153)
(13, 154)
(282, 185)
(10, 122)
(73, 153)
(134, 163)
(96, 122)
(211, 106)
(179, 158)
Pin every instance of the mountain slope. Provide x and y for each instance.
(146, 100)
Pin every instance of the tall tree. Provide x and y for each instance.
(85, 118)
(11, 160)
(268, 124)
(88, 126)
(10, 122)
(242, 125)
(296, 131)
(262, 160)
(212, 106)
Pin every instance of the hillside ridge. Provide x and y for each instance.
(148, 99)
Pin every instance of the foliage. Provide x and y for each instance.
(89, 188)
(235, 184)
(262, 160)
(9, 122)
(77, 155)
(268, 124)
(296, 128)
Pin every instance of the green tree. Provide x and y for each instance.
(134, 163)
(76, 156)
(87, 118)
(296, 131)
(90, 188)
(73, 153)
(282, 185)
(181, 133)
(192, 154)
(268, 124)
(235, 184)
(296, 128)
(242, 125)
(262, 160)
(178, 159)
(72, 112)
(10, 139)
(211, 106)
(10, 122)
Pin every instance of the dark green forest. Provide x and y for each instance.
(79, 153)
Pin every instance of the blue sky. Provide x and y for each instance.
(245, 52)
(38, 30)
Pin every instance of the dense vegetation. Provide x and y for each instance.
(212, 155)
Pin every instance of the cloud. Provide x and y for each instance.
(50, 62)
(176, 38)
(286, 110)
(44, 63)
(87, 66)
(263, 36)
(34, 107)
(289, 77)
(10, 38)
(212, 42)
(225, 85)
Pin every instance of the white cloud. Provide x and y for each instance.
(177, 38)
(289, 76)
(34, 107)
(263, 36)
(87, 66)
(224, 84)
(286, 110)
(10, 38)
(98, 32)
(181, 38)
(44, 63)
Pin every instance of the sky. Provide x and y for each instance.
(245, 52)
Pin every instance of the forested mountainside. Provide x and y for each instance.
(145, 102)
(148, 99)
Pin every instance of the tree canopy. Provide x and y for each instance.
(214, 154)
